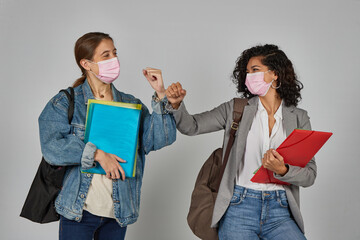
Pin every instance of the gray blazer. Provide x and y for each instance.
(221, 118)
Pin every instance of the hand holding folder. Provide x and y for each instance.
(114, 128)
(297, 150)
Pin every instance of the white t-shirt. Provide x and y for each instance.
(99, 198)
(257, 143)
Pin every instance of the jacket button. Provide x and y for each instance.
(77, 218)
(88, 175)
(82, 195)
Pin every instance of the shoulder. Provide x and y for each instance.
(229, 105)
(226, 108)
(128, 98)
(61, 100)
(300, 111)
(302, 115)
(58, 105)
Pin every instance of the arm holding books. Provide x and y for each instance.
(109, 162)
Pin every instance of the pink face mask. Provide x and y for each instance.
(256, 84)
(109, 70)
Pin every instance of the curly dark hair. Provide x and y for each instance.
(276, 60)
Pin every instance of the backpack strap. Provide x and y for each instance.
(71, 99)
(239, 105)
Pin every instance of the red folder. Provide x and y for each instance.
(297, 150)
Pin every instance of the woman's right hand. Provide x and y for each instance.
(110, 163)
(175, 94)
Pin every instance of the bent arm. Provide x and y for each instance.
(159, 129)
(209, 121)
(299, 176)
(58, 145)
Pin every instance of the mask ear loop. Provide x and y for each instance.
(90, 68)
(277, 86)
(274, 81)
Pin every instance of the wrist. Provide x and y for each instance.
(175, 105)
(97, 155)
(160, 94)
(283, 170)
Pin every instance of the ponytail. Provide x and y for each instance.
(79, 81)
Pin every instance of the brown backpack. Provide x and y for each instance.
(208, 182)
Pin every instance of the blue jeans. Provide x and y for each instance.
(90, 227)
(258, 215)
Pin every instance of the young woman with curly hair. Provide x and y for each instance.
(245, 209)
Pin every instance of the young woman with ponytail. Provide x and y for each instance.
(94, 206)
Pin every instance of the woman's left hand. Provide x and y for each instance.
(273, 161)
(155, 79)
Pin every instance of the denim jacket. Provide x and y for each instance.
(62, 145)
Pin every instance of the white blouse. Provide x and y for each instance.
(257, 143)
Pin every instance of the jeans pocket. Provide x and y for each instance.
(236, 199)
(283, 202)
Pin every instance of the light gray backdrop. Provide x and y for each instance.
(195, 43)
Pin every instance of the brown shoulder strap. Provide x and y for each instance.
(239, 105)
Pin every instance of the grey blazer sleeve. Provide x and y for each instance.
(298, 176)
(205, 122)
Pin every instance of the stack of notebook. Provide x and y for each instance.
(114, 128)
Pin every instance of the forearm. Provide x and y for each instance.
(204, 122)
(299, 176)
(159, 131)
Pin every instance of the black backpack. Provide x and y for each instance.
(39, 205)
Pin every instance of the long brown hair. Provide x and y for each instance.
(85, 49)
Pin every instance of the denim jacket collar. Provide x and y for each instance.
(89, 95)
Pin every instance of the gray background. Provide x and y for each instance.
(195, 43)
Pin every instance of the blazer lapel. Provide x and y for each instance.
(244, 128)
(247, 118)
(289, 119)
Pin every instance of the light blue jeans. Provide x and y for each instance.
(258, 215)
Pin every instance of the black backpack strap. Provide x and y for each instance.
(71, 99)
(239, 105)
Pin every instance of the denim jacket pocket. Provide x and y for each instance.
(79, 131)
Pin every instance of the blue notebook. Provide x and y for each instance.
(114, 128)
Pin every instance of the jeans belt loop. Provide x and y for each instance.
(278, 195)
(243, 195)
